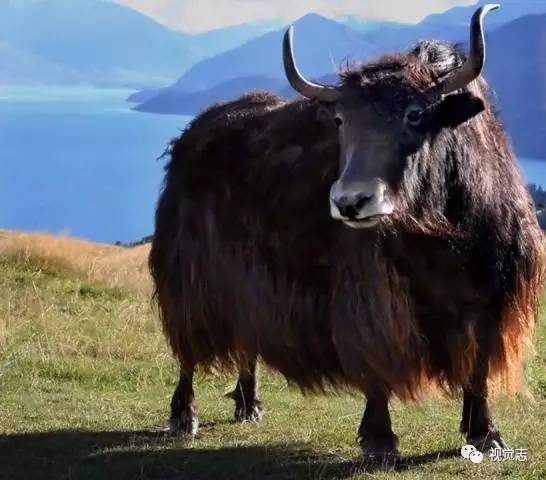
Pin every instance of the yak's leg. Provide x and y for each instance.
(476, 421)
(375, 434)
(183, 415)
(248, 406)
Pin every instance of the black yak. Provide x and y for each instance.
(426, 276)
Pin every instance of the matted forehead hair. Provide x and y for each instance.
(427, 63)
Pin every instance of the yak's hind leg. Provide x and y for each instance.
(248, 406)
(476, 421)
(375, 434)
(183, 414)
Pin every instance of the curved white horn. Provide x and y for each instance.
(298, 82)
(473, 66)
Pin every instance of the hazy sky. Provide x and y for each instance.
(199, 15)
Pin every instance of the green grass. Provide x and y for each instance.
(86, 380)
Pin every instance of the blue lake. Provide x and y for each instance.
(79, 161)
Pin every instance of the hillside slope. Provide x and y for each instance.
(96, 262)
(516, 68)
(321, 45)
(102, 43)
(173, 101)
(106, 43)
(24, 68)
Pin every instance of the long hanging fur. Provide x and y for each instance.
(247, 261)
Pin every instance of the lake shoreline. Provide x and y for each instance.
(81, 161)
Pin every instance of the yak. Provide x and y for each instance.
(375, 235)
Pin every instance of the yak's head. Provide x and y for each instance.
(386, 111)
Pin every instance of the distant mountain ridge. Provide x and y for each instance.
(509, 11)
(168, 100)
(365, 26)
(322, 44)
(101, 43)
(21, 67)
(515, 67)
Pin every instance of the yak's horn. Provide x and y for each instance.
(308, 89)
(476, 58)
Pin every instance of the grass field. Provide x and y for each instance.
(86, 380)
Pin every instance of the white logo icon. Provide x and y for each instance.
(469, 452)
(476, 456)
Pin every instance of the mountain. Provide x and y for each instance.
(321, 45)
(446, 25)
(142, 96)
(220, 40)
(26, 68)
(103, 43)
(170, 100)
(451, 25)
(509, 11)
(363, 25)
(516, 69)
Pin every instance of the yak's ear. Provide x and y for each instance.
(458, 108)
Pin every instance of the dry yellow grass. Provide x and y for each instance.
(109, 264)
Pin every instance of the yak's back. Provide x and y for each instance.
(215, 141)
(259, 157)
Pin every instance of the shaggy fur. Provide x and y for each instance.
(247, 261)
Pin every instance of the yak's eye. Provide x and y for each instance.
(338, 121)
(414, 115)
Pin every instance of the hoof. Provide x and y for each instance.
(488, 441)
(380, 450)
(185, 424)
(249, 413)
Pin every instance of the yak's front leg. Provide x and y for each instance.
(248, 406)
(375, 434)
(476, 421)
(184, 419)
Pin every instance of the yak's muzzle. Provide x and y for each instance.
(360, 204)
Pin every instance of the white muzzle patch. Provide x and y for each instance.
(360, 205)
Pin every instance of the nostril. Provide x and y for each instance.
(345, 207)
(351, 206)
(348, 211)
(362, 200)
